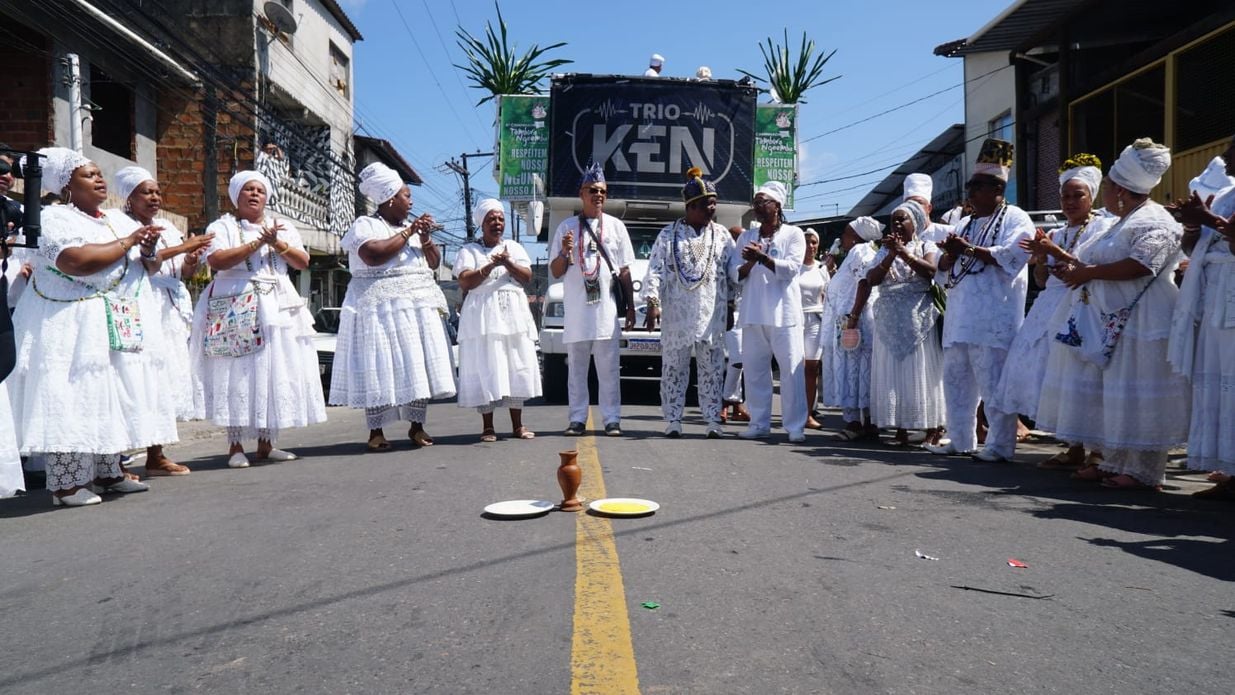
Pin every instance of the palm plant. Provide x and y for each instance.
(789, 79)
(492, 64)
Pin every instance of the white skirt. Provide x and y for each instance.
(390, 353)
(812, 337)
(11, 479)
(495, 367)
(907, 394)
(1211, 436)
(177, 367)
(278, 387)
(1020, 386)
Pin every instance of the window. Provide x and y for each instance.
(1001, 127)
(112, 114)
(1205, 109)
(1105, 122)
(340, 74)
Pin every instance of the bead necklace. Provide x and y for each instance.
(965, 266)
(1073, 241)
(591, 278)
(699, 252)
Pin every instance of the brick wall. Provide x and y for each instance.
(25, 93)
(182, 153)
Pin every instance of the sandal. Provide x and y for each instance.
(488, 435)
(378, 444)
(1060, 461)
(813, 424)
(849, 436)
(166, 467)
(420, 437)
(524, 433)
(1123, 481)
(1090, 472)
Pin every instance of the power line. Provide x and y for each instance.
(446, 52)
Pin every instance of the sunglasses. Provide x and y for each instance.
(596, 190)
(973, 185)
(762, 203)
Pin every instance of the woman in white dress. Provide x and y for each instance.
(392, 355)
(178, 260)
(1203, 334)
(1134, 409)
(1020, 387)
(907, 359)
(812, 281)
(87, 385)
(497, 334)
(251, 345)
(847, 372)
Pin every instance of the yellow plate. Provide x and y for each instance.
(623, 506)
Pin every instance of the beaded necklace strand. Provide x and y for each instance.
(695, 248)
(965, 266)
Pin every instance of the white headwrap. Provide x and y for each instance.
(810, 231)
(919, 185)
(483, 208)
(380, 183)
(1141, 165)
(868, 228)
(917, 215)
(1212, 180)
(243, 177)
(59, 163)
(774, 190)
(1090, 176)
(656, 60)
(129, 178)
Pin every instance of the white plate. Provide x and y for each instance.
(514, 509)
(623, 506)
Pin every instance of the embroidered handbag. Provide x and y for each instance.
(232, 326)
(124, 323)
(1095, 333)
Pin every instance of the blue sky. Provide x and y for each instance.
(408, 91)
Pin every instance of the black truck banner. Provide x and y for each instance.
(647, 132)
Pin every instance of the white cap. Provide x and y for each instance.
(656, 60)
(1212, 180)
(919, 185)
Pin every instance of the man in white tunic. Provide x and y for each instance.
(767, 265)
(687, 283)
(655, 64)
(591, 252)
(984, 272)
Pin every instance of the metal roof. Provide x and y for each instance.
(390, 157)
(932, 156)
(337, 12)
(1010, 29)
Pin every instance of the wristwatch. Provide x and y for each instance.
(969, 251)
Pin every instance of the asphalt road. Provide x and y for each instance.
(777, 568)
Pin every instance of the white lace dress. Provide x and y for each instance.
(1135, 409)
(1020, 386)
(175, 319)
(847, 374)
(392, 347)
(72, 393)
(497, 334)
(907, 360)
(1202, 342)
(278, 386)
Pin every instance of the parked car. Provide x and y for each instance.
(326, 325)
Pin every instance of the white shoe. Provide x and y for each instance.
(125, 486)
(674, 430)
(945, 449)
(990, 457)
(715, 430)
(280, 455)
(238, 460)
(81, 498)
(754, 433)
(797, 437)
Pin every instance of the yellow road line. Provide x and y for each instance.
(602, 658)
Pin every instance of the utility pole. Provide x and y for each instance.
(463, 172)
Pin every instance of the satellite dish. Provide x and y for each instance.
(280, 17)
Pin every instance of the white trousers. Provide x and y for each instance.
(759, 345)
(605, 354)
(971, 373)
(732, 392)
(675, 378)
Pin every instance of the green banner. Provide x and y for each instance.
(523, 145)
(776, 146)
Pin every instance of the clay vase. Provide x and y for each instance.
(569, 476)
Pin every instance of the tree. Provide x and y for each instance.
(492, 64)
(788, 79)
